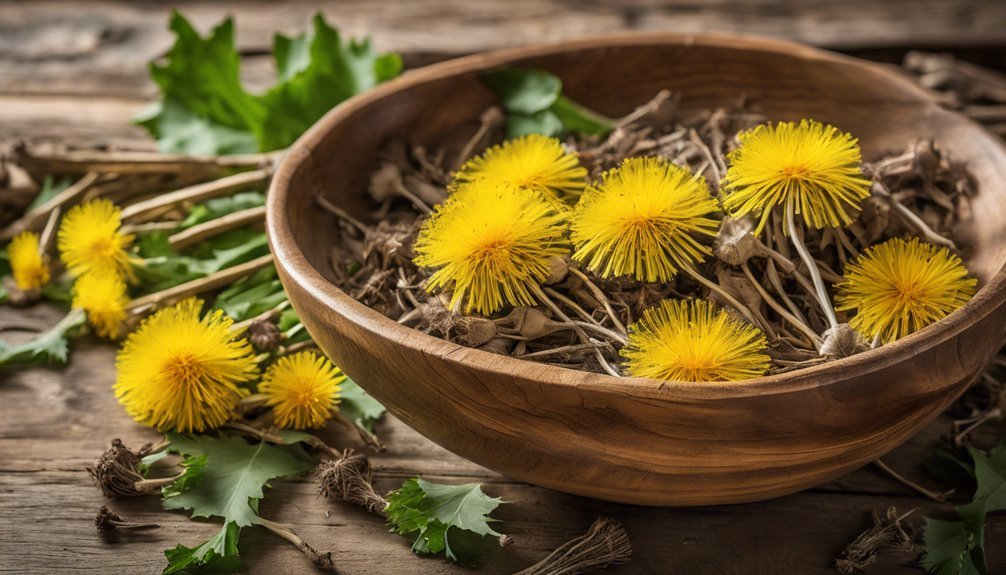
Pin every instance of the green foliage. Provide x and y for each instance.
(357, 406)
(219, 553)
(204, 109)
(51, 187)
(535, 104)
(225, 477)
(216, 207)
(316, 72)
(958, 547)
(252, 295)
(50, 347)
(233, 475)
(163, 267)
(425, 512)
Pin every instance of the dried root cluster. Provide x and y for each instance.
(919, 190)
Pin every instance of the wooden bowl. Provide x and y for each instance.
(636, 440)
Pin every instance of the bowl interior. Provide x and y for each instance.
(881, 108)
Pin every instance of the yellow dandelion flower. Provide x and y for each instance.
(811, 166)
(692, 340)
(89, 240)
(901, 286)
(103, 298)
(533, 162)
(181, 372)
(643, 219)
(491, 244)
(302, 389)
(27, 264)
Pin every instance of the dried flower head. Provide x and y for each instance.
(643, 219)
(26, 262)
(89, 240)
(811, 165)
(264, 334)
(302, 390)
(117, 470)
(103, 298)
(492, 244)
(692, 340)
(901, 286)
(533, 162)
(180, 372)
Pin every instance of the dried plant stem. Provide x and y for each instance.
(605, 543)
(913, 220)
(641, 111)
(814, 338)
(573, 348)
(715, 288)
(820, 292)
(886, 531)
(268, 315)
(322, 561)
(599, 296)
(576, 328)
(589, 323)
(773, 278)
(939, 497)
(151, 485)
(148, 227)
(135, 162)
(701, 145)
(35, 218)
(369, 438)
(489, 119)
(216, 226)
(49, 231)
(165, 202)
(147, 303)
(259, 399)
(342, 214)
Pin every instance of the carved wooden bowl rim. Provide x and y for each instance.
(288, 253)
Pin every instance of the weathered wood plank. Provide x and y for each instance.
(54, 422)
(54, 47)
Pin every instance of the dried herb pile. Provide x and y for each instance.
(920, 191)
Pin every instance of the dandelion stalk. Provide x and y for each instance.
(813, 337)
(600, 297)
(820, 291)
(543, 298)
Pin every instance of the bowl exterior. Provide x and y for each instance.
(628, 440)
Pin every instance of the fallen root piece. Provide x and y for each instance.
(107, 521)
(604, 544)
(887, 531)
(348, 478)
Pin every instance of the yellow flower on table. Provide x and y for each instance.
(692, 340)
(644, 219)
(302, 389)
(27, 263)
(534, 163)
(491, 243)
(90, 240)
(810, 166)
(103, 298)
(901, 286)
(182, 371)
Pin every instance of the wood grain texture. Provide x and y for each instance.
(632, 440)
(55, 422)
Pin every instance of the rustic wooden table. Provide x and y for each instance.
(77, 74)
